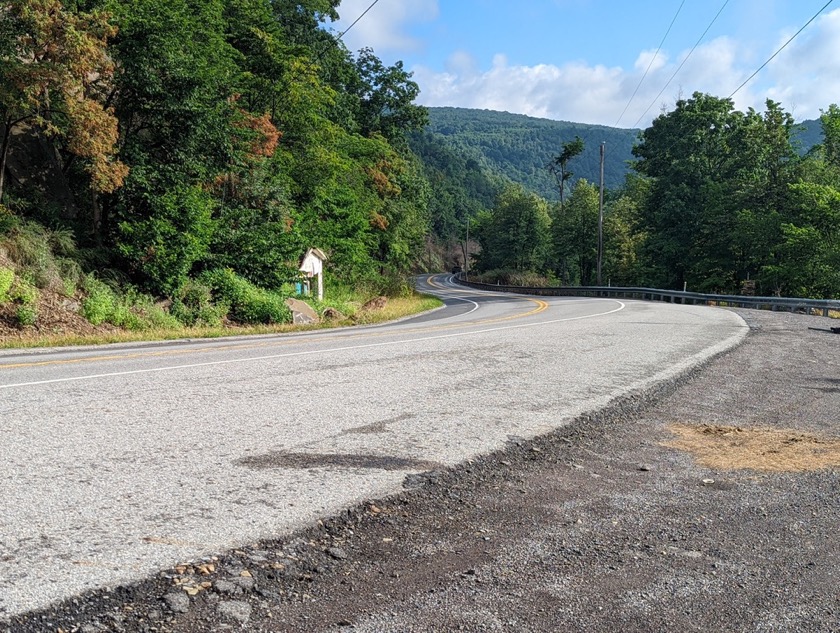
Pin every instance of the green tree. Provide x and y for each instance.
(55, 74)
(830, 121)
(386, 98)
(516, 235)
(575, 233)
(559, 165)
(717, 175)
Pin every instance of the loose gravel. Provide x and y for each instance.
(601, 526)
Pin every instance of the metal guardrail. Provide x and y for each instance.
(805, 306)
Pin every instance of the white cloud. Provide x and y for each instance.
(804, 78)
(384, 27)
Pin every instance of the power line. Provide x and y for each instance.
(364, 13)
(682, 64)
(650, 65)
(772, 57)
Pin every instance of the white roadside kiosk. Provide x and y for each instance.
(312, 265)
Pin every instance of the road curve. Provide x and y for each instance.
(118, 461)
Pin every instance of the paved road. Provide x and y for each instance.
(119, 461)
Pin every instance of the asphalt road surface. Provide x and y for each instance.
(119, 461)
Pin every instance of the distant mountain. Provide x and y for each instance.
(807, 134)
(519, 147)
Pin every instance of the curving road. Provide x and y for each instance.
(119, 461)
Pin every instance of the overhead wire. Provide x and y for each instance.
(783, 47)
(356, 21)
(676, 72)
(318, 54)
(650, 65)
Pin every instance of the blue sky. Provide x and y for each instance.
(581, 60)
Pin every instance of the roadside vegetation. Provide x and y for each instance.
(718, 201)
(46, 299)
(156, 188)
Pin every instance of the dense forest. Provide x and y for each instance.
(719, 200)
(520, 148)
(186, 154)
(197, 149)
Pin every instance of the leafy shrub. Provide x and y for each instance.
(100, 304)
(7, 277)
(393, 284)
(522, 278)
(132, 310)
(46, 256)
(248, 303)
(193, 305)
(164, 228)
(27, 315)
(71, 275)
(138, 311)
(25, 295)
(8, 220)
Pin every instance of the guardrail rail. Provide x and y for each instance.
(789, 304)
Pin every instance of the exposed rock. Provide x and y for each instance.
(331, 314)
(376, 303)
(235, 610)
(177, 602)
(302, 312)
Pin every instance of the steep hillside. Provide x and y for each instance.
(520, 147)
(806, 135)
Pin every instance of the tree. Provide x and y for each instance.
(830, 120)
(559, 165)
(386, 98)
(516, 235)
(55, 77)
(707, 162)
(575, 233)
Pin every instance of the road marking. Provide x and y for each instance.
(434, 284)
(251, 359)
(91, 359)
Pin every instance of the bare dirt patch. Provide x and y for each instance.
(762, 449)
(57, 315)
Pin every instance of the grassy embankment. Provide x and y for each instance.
(46, 300)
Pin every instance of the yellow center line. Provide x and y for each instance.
(541, 307)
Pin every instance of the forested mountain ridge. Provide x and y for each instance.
(520, 148)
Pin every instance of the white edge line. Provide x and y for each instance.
(309, 352)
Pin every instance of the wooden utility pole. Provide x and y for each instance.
(467, 252)
(601, 216)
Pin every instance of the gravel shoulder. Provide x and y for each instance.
(601, 526)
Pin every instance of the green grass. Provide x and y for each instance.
(395, 309)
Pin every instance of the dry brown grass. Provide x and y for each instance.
(760, 449)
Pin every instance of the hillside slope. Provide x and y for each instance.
(519, 147)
